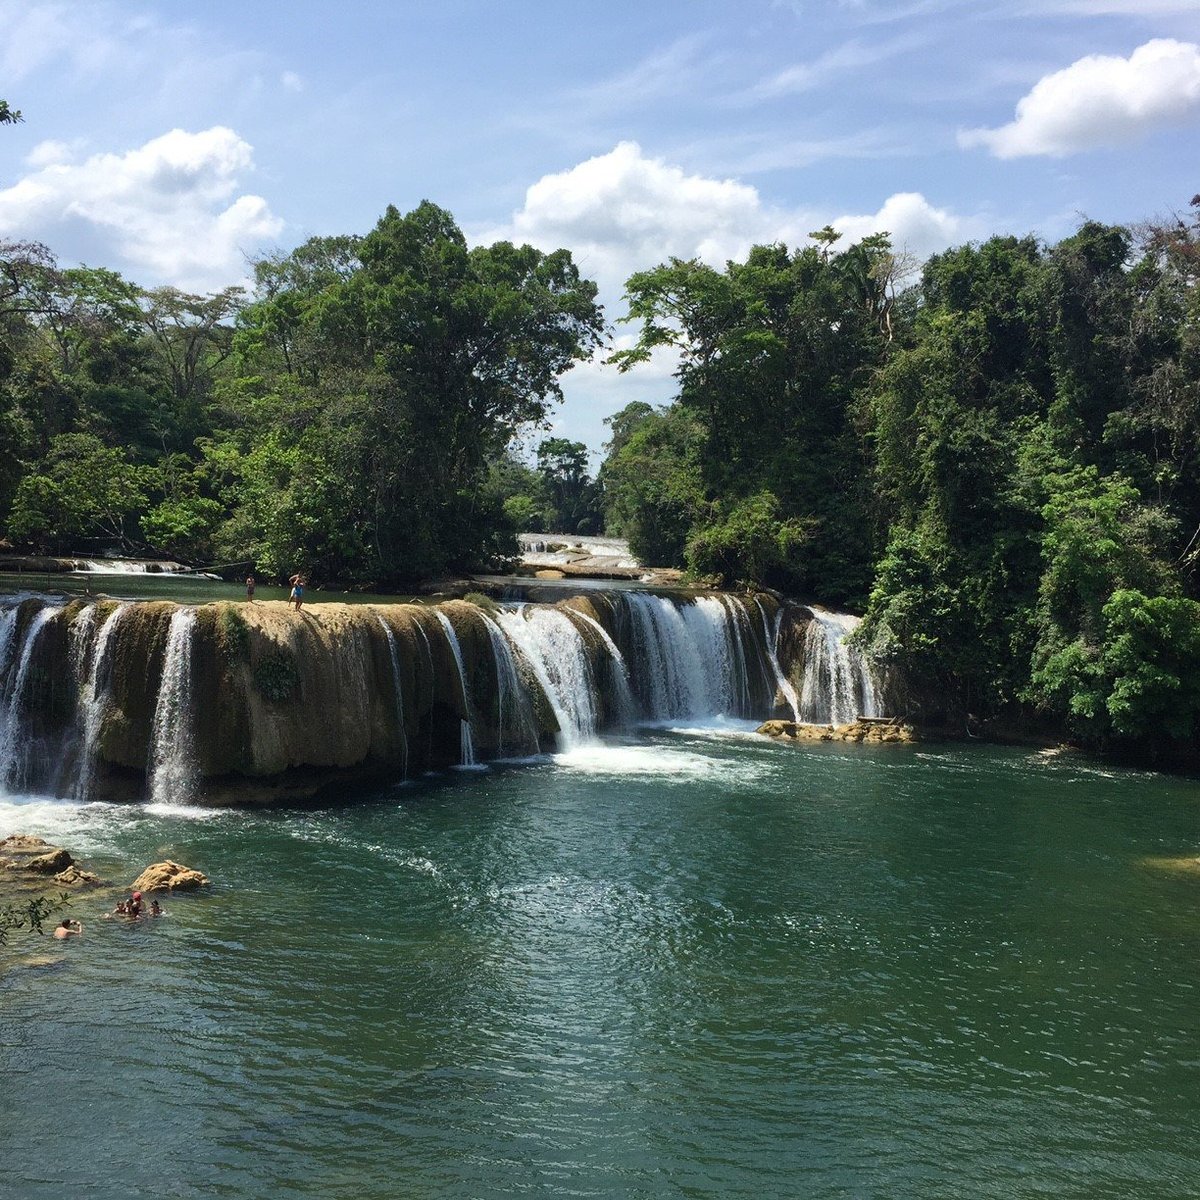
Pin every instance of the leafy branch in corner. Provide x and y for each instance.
(29, 915)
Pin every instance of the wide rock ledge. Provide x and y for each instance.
(872, 731)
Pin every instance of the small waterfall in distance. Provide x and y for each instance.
(92, 702)
(171, 771)
(466, 740)
(838, 686)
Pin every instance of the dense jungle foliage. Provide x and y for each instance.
(998, 460)
(1000, 464)
(352, 418)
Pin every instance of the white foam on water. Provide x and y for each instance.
(91, 828)
(192, 812)
(664, 764)
(717, 729)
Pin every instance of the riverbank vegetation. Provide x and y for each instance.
(996, 458)
(1000, 462)
(351, 418)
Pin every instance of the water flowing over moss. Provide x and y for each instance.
(247, 703)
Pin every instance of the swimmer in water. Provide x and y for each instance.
(68, 929)
(155, 909)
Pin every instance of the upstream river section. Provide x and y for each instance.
(693, 964)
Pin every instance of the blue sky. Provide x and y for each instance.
(171, 142)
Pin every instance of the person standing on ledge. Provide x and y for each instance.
(250, 588)
(297, 582)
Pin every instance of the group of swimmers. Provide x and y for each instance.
(297, 594)
(130, 908)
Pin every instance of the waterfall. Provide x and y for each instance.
(626, 706)
(171, 770)
(555, 649)
(8, 640)
(512, 700)
(467, 742)
(837, 681)
(750, 661)
(14, 739)
(689, 659)
(396, 685)
(93, 702)
(771, 639)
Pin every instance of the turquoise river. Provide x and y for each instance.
(689, 964)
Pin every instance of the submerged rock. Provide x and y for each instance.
(873, 731)
(23, 855)
(23, 852)
(74, 876)
(168, 876)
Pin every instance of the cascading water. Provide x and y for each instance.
(512, 701)
(93, 702)
(837, 681)
(667, 659)
(466, 739)
(624, 703)
(171, 770)
(771, 640)
(15, 744)
(689, 660)
(396, 685)
(555, 649)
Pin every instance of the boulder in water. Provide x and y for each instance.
(23, 852)
(874, 731)
(74, 876)
(168, 876)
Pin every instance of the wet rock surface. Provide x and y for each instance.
(22, 852)
(168, 876)
(871, 731)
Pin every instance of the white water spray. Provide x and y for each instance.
(466, 740)
(512, 699)
(171, 770)
(689, 660)
(555, 649)
(838, 686)
(14, 740)
(396, 685)
(93, 702)
(771, 639)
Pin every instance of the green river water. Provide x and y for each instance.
(691, 965)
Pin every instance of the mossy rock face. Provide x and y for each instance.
(284, 696)
(137, 662)
(481, 601)
(276, 675)
(231, 631)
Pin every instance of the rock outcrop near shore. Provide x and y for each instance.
(873, 731)
(26, 861)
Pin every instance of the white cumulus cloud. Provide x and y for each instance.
(915, 225)
(166, 212)
(624, 211)
(1101, 100)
